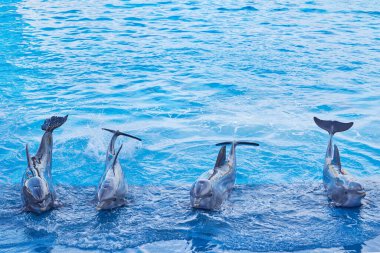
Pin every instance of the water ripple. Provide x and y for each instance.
(183, 76)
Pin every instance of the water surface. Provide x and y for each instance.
(184, 76)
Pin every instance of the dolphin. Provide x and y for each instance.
(112, 188)
(214, 186)
(341, 188)
(38, 193)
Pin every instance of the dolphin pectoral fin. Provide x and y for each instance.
(54, 122)
(117, 133)
(333, 127)
(31, 163)
(22, 210)
(57, 204)
(336, 158)
(221, 157)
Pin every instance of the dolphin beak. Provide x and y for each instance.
(103, 195)
(197, 202)
(361, 193)
(100, 206)
(43, 209)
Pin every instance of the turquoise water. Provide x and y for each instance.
(183, 76)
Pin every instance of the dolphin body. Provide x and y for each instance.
(112, 188)
(38, 194)
(214, 186)
(341, 188)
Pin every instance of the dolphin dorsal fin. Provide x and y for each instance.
(115, 158)
(31, 166)
(336, 158)
(28, 158)
(221, 157)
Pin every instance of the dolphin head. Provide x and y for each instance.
(354, 193)
(106, 194)
(202, 195)
(349, 195)
(36, 194)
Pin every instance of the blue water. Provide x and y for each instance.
(183, 76)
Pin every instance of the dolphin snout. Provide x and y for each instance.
(106, 191)
(100, 205)
(201, 194)
(355, 186)
(36, 189)
(354, 193)
(197, 202)
(202, 188)
(356, 189)
(361, 193)
(37, 193)
(103, 194)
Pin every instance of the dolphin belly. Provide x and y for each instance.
(111, 203)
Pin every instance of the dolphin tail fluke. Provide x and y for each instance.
(237, 143)
(247, 143)
(332, 127)
(117, 133)
(54, 122)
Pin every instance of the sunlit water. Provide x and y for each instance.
(183, 76)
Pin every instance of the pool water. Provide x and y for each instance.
(183, 76)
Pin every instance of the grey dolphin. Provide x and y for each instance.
(214, 186)
(341, 188)
(38, 193)
(112, 188)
